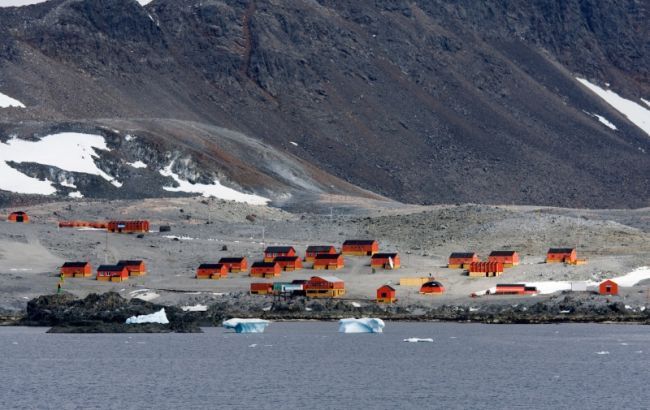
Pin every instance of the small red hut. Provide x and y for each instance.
(329, 261)
(211, 271)
(18, 216)
(289, 263)
(386, 294)
(134, 267)
(360, 247)
(112, 273)
(385, 261)
(128, 226)
(271, 252)
(608, 287)
(313, 250)
(324, 287)
(432, 288)
(562, 255)
(261, 288)
(485, 269)
(462, 259)
(265, 269)
(235, 264)
(76, 270)
(507, 258)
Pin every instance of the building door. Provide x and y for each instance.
(19, 218)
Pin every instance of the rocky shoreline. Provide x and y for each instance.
(107, 313)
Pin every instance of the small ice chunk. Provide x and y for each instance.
(246, 325)
(602, 352)
(362, 325)
(418, 340)
(157, 317)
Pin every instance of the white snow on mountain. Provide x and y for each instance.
(634, 112)
(604, 121)
(216, 190)
(138, 164)
(68, 151)
(6, 101)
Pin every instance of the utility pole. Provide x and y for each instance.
(106, 250)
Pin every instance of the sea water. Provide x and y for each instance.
(312, 366)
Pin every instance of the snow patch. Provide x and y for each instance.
(6, 101)
(195, 308)
(75, 194)
(602, 120)
(246, 325)
(138, 164)
(646, 102)
(418, 340)
(634, 112)
(634, 277)
(216, 190)
(157, 317)
(295, 144)
(69, 151)
(144, 2)
(363, 325)
(180, 238)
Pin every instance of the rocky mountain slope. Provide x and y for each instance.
(432, 101)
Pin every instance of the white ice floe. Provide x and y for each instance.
(602, 352)
(69, 151)
(157, 317)
(216, 190)
(6, 101)
(138, 164)
(246, 325)
(195, 308)
(362, 325)
(418, 340)
(637, 114)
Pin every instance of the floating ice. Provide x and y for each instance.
(246, 325)
(602, 352)
(418, 340)
(363, 325)
(157, 317)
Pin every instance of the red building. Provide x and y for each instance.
(462, 259)
(112, 273)
(515, 289)
(272, 252)
(432, 288)
(324, 287)
(329, 261)
(485, 269)
(360, 247)
(128, 226)
(507, 258)
(385, 260)
(83, 224)
(608, 287)
(211, 271)
(562, 255)
(261, 288)
(134, 267)
(235, 264)
(314, 250)
(76, 270)
(18, 216)
(386, 294)
(265, 269)
(289, 263)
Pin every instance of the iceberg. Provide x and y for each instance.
(156, 317)
(418, 340)
(363, 325)
(246, 325)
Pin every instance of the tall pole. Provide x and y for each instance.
(106, 249)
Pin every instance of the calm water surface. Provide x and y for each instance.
(311, 366)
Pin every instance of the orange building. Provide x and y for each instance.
(313, 250)
(329, 261)
(385, 260)
(265, 269)
(562, 255)
(386, 294)
(432, 288)
(83, 224)
(112, 273)
(271, 252)
(507, 258)
(76, 270)
(134, 267)
(324, 287)
(211, 271)
(261, 288)
(235, 264)
(485, 269)
(515, 289)
(462, 259)
(128, 226)
(18, 216)
(608, 287)
(360, 247)
(289, 263)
